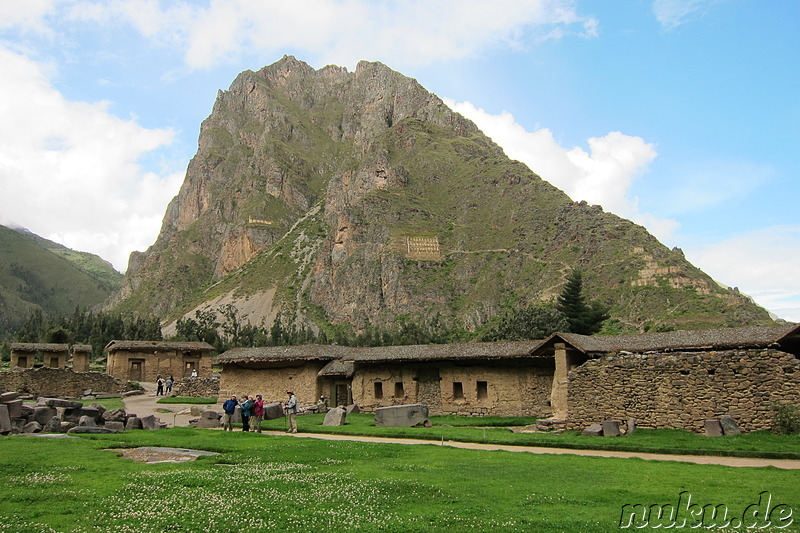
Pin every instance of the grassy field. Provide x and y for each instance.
(187, 400)
(491, 430)
(277, 483)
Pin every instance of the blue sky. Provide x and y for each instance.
(681, 115)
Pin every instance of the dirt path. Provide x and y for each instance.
(179, 416)
(174, 415)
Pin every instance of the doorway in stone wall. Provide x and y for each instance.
(341, 394)
(189, 368)
(135, 372)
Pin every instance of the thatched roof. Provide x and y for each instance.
(270, 354)
(161, 346)
(81, 348)
(443, 352)
(712, 339)
(337, 368)
(38, 347)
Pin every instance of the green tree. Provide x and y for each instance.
(583, 317)
(535, 321)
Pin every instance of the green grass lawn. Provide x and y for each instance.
(489, 430)
(187, 400)
(277, 483)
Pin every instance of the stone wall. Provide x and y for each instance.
(59, 382)
(681, 390)
(471, 390)
(272, 383)
(197, 387)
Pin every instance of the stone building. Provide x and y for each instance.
(81, 354)
(146, 360)
(671, 380)
(30, 354)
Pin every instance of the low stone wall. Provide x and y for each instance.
(197, 387)
(59, 382)
(681, 390)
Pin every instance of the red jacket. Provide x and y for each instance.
(258, 407)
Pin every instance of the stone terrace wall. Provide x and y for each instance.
(681, 390)
(59, 382)
(197, 387)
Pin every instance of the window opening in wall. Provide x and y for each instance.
(483, 390)
(378, 390)
(458, 390)
(398, 390)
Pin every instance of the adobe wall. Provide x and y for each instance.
(61, 382)
(161, 363)
(681, 390)
(272, 383)
(509, 390)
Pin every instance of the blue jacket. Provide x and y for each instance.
(230, 406)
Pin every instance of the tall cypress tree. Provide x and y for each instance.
(584, 318)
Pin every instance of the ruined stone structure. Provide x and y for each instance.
(30, 354)
(61, 382)
(671, 380)
(81, 354)
(146, 360)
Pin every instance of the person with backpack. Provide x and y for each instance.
(247, 410)
(258, 413)
(168, 384)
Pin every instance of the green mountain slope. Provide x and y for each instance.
(38, 274)
(355, 198)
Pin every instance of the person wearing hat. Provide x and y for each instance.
(230, 408)
(258, 413)
(291, 411)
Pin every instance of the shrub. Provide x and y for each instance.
(787, 419)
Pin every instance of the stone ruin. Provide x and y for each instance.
(56, 415)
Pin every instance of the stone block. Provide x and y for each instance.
(729, 426)
(5, 420)
(91, 430)
(610, 428)
(132, 393)
(8, 397)
(115, 415)
(58, 402)
(43, 414)
(631, 426)
(133, 422)
(211, 415)
(205, 423)
(273, 411)
(594, 430)
(353, 408)
(150, 422)
(99, 407)
(335, 417)
(86, 421)
(27, 411)
(115, 425)
(53, 426)
(66, 426)
(74, 415)
(713, 427)
(14, 408)
(32, 427)
(401, 415)
(197, 410)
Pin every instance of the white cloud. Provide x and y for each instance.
(414, 32)
(603, 175)
(763, 263)
(26, 15)
(673, 13)
(69, 166)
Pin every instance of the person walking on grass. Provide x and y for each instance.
(291, 411)
(247, 410)
(230, 408)
(258, 413)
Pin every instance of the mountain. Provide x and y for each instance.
(36, 273)
(357, 198)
